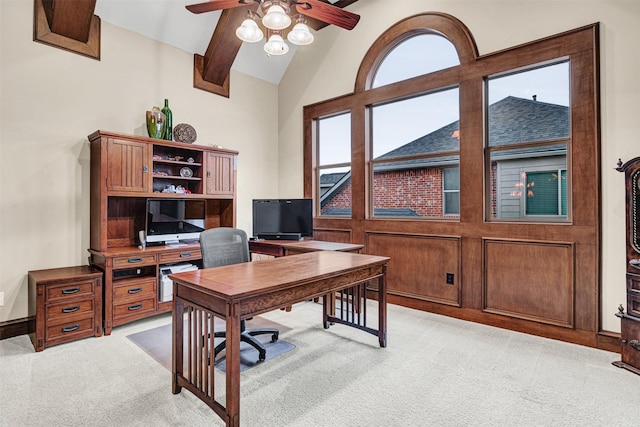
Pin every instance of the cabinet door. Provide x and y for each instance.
(127, 166)
(221, 174)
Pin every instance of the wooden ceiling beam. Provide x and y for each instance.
(70, 18)
(211, 71)
(68, 24)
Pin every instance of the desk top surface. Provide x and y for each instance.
(250, 278)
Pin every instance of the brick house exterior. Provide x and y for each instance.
(415, 187)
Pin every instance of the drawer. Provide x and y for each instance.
(633, 304)
(133, 261)
(70, 290)
(69, 311)
(179, 256)
(631, 342)
(134, 289)
(134, 308)
(70, 330)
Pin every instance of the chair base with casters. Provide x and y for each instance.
(224, 246)
(247, 335)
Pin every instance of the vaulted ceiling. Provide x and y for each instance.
(74, 25)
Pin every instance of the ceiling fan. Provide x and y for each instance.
(275, 17)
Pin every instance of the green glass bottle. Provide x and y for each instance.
(168, 126)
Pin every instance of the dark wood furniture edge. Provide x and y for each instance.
(609, 341)
(42, 33)
(631, 368)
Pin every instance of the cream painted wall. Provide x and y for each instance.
(50, 100)
(328, 68)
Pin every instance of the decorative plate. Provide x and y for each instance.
(186, 172)
(184, 133)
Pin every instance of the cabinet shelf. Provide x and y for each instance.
(184, 178)
(177, 162)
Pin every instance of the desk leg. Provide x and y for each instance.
(327, 303)
(233, 366)
(382, 307)
(177, 343)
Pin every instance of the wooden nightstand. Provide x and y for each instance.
(66, 303)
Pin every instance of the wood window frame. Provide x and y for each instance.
(483, 292)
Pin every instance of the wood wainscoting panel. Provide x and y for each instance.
(338, 236)
(420, 265)
(530, 280)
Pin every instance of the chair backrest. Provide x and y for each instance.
(223, 246)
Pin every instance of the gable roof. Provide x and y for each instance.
(327, 179)
(511, 120)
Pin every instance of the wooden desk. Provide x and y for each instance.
(239, 291)
(279, 248)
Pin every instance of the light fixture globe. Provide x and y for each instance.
(276, 45)
(249, 31)
(300, 35)
(276, 18)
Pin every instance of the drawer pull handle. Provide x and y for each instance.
(71, 309)
(635, 344)
(185, 255)
(70, 328)
(135, 307)
(134, 290)
(70, 291)
(134, 260)
(634, 263)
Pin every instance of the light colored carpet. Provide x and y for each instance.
(436, 371)
(156, 342)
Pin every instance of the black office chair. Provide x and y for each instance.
(225, 246)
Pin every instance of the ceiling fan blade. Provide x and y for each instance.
(211, 5)
(327, 13)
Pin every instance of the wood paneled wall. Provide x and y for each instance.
(541, 278)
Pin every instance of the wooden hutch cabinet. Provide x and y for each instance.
(127, 170)
(631, 319)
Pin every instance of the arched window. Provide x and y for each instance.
(478, 175)
(415, 137)
(415, 56)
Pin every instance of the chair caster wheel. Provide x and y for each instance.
(274, 337)
(262, 358)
